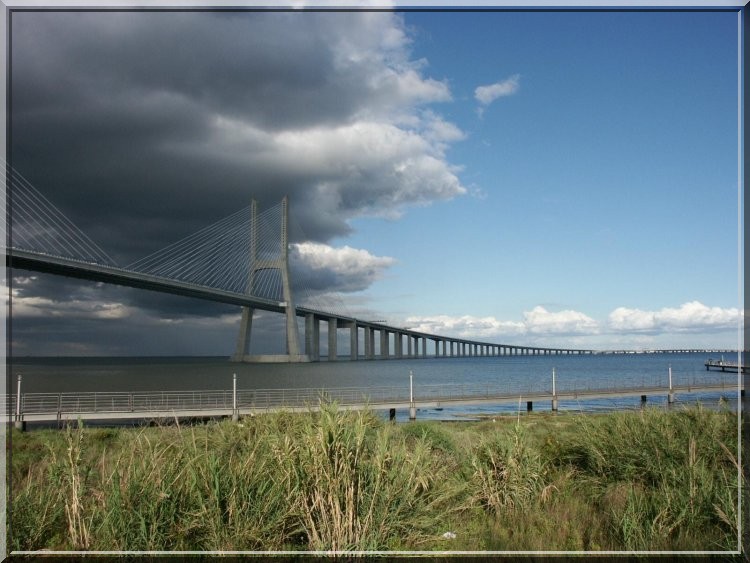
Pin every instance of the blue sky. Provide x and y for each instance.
(562, 178)
(607, 179)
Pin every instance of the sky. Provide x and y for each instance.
(563, 179)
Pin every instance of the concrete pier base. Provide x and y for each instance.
(643, 400)
(554, 404)
(670, 398)
(412, 412)
(20, 425)
(275, 359)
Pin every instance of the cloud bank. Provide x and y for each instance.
(691, 316)
(171, 120)
(539, 322)
(144, 127)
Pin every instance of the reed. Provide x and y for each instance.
(345, 481)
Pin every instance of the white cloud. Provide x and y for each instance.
(538, 321)
(485, 95)
(541, 321)
(326, 269)
(362, 168)
(75, 308)
(691, 316)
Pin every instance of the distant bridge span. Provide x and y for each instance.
(416, 345)
(241, 260)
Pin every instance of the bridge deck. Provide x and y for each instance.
(49, 407)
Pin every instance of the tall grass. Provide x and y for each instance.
(663, 480)
(340, 481)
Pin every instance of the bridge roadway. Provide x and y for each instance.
(170, 405)
(416, 341)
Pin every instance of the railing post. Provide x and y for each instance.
(20, 424)
(670, 395)
(412, 407)
(235, 412)
(554, 392)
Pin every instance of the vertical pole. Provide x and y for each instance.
(553, 382)
(412, 407)
(670, 395)
(554, 392)
(411, 385)
(19, 424)
(235, 412)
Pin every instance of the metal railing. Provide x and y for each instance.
(143, 403)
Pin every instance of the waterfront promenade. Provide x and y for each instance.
(170, 405)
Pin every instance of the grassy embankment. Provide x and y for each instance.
(337, 480)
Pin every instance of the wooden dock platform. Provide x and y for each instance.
(724, 366)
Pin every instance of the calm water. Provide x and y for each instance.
(516, 374)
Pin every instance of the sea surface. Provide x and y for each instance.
(516, 374)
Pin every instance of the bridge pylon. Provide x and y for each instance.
(280, 263)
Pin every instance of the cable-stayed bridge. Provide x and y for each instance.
(240, 260)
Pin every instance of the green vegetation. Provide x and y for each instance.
(343, 480)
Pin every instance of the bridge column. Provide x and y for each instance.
(424, 346)
(312, 337)
(353, 341)
(243, 339)
(332, 339)
(384, 344)
(399, 336)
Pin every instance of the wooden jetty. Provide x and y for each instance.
(723, 366)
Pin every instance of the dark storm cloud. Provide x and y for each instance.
(144, 127)
(179, 117)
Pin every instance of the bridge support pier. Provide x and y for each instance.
(282, 265)
(312, 337)
(243, 339)
(354, 341)
(332, 340)
(384, 344)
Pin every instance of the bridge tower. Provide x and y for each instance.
(281, 263)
